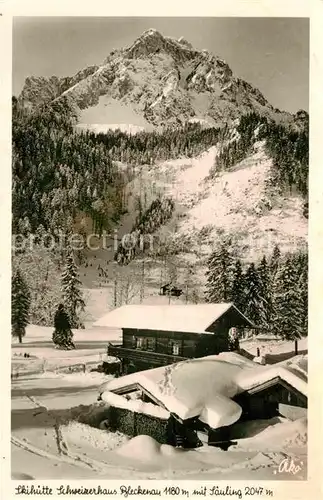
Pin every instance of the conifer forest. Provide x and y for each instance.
(59, 172)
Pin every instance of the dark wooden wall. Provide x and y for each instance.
(190, 344)
(228, 320)
(270, 402)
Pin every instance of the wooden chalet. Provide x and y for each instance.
(170, 290)
(161, 335)
(272, 397)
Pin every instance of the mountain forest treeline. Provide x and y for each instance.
(288, 146)
(59, 171)
(157, 214)
(272, 293)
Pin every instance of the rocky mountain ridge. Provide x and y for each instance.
(164, 80)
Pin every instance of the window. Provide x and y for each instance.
(139, 342)
(150, 344)
(145, 343)
(174, 348)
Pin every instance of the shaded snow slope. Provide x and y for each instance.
(111, 114)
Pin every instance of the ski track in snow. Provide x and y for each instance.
(60, 442)
(64, 454)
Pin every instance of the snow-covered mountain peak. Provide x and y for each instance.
(163, 79)
(152, 42)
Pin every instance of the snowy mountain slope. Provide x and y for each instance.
(112, 114)
(232, 204)
(165, 81)
(40, 89)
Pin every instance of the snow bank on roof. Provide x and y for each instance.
(298, 363)
(136, 406)
(301, 364)
(220, 411)
(234, 358)
(200, 388)
(254, 378)
(180, 318)
(204, 387)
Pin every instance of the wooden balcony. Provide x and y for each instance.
(153, 358)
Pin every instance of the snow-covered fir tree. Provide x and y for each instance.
(288, 309)
(40, 267)
(219, 275)
(254, 305)
(303, 291)
(299, 262)
(62, 336)
(20, 305)
(238, 292)
(274, 262)
(71, 292)
(265, 293)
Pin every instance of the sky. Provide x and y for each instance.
(270, 53)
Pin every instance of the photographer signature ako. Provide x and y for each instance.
(289, 466)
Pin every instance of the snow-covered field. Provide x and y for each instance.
(91, 346)
(90, 343)
(56, 430)
(274, 350)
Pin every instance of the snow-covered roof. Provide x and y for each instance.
(194, 318)
(204, 387)
(287, 371)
